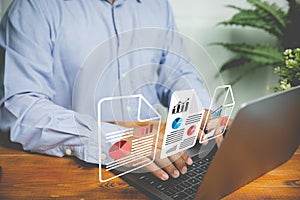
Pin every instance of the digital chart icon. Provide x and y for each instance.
(177, 123)
(191, 130)
(120, 149)
(215, 124)
(181, 107)
(132, 137)
(183, 123)
(143, 131)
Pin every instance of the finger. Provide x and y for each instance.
(188, 160)
(168, 166)
(183, 154)
(156, 171)
(152, 168)
(179, 162)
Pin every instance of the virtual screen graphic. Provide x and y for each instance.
(132, 145)
(216, 122)
(134, 77)
(183, 123)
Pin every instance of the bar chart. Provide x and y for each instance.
(181, 107)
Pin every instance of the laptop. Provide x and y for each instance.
(264, 134)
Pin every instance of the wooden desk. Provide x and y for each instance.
(33, 176)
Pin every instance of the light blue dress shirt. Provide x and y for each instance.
(45, 43)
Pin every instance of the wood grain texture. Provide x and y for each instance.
(280, 183)
(32, 176)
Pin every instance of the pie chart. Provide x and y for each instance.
(119, 150)
(191, 130)
(177, 123)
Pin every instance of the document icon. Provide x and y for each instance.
(183, 123)
(222, 105)
(131, 140)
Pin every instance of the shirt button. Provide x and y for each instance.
(103, 156)
(128, 108)
(123, 75)
(68, 152)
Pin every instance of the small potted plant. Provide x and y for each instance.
(289, 75)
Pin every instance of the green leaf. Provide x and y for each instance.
(275, 13)
(252, 19)
(266, 55)
(234, 62)
(265, 16)
(234, 7)
(263, 54)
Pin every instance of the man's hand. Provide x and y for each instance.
(176, 164)
(172, 166)
(164, 168)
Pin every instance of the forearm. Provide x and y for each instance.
(44, 127)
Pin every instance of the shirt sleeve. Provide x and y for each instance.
(176, 70)
(41, 126)
(26, 107)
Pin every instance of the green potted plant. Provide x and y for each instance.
(289, 74)
(272, 19)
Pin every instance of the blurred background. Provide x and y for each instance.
(200, 20)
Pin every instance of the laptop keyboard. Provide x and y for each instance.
(186, 185)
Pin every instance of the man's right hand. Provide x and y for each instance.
(172, 166)
(164, 168)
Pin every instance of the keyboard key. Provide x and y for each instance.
(179, 196)
(194, 181)
(175, 181)
(200, 177)
(178, 188)
(193, 173)
(185, 184)
(169, 192)
(195, 165)
(142, 177)
(194, 188)
(154, 183)
(184, 177)
(161, 187)
(201, 162)
(208, 159)
(198, 170)
(189, 191)
(204, 167)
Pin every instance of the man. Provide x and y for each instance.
(44, 45)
